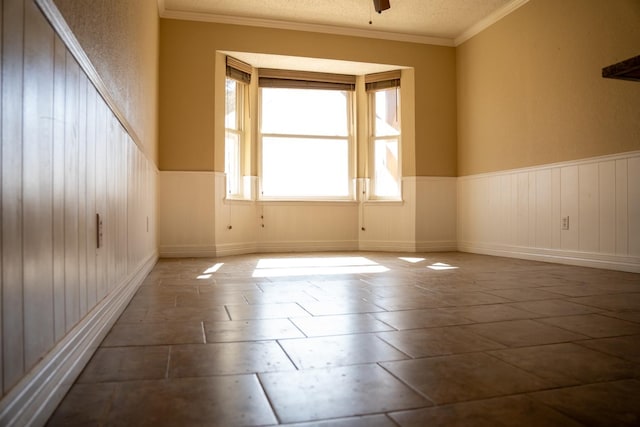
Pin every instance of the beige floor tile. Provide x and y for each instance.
(265, 311)
(410, 303)
(251, 330)
(578, 290)
(184, 314)
(126, 364)
(438, 341)
(631, 315)
(200, 360)
(335, 307)
(556, 307)
(277, 296)
(136, 334)
(626, 347)
(604, 404)
(458, 378)
(427, 318)
(568, 364)
(523, 333)
(493, 313)
(340, 325)
(364, 421)
(326, 352)
(225, 400)
(611, 302)
(167, 289)
(84, 405)
(529, 294)
(511, 411)
(208, 300)
(317, 394)
(594, 325)
(146, 301)
(461, 299)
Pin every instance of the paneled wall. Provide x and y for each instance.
(65, 159)
(520, 212)
(187, 214)
(196, 220)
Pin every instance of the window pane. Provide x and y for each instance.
(387, 121)
(387, 175)
(300, 167)
(231, 120)
(304, 112)
(232, 162)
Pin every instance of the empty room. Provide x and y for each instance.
(336, 213)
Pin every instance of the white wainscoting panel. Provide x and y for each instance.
(308, 226)
(520, 213)
(390, 225)
(236, 221)
(198, 220)
(633, 206)
(65, 158)
(187, 214)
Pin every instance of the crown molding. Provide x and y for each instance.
(344, 31)
(298, 26)
(488, 21)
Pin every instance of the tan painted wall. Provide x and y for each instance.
(121, 39)
(530, 90)
(187, 61)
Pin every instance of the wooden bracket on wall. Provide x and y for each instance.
(629, 69)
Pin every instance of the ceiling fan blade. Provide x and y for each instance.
(381, 5)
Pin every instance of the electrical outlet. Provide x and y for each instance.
(565, 222)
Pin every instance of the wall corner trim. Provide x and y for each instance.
(36, 396)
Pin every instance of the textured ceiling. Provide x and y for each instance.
(429, 21)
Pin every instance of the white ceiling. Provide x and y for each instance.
(443, 22)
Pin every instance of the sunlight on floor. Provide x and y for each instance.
(411, 260)
(287, 267)
(209, 271)
(441, 266)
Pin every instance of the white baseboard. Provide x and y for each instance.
(437, 246)
(36, 396)
(308, 246)
(229, 249)
(188, 251)
(387, 246)
(583, 259)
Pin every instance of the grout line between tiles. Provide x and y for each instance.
(166, 374)
(295, 365)
(271, 406)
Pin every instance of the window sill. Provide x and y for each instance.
(308, 201)
(239, 200)
(384, 202)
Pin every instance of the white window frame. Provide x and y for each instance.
(350, 196)
(372, 149)
(242, 90)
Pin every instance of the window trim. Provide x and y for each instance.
(241, 102)
(377, 84)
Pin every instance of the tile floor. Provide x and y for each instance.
(368, 339)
